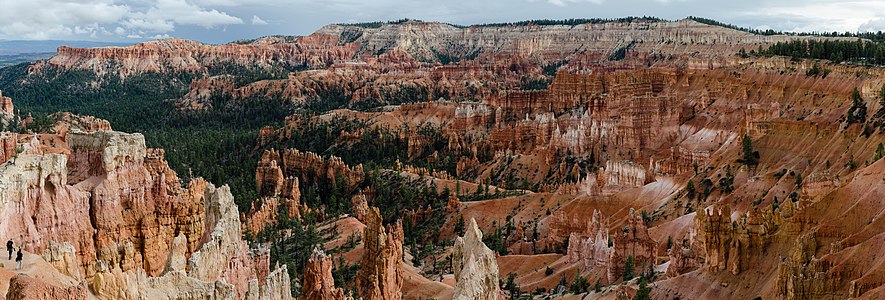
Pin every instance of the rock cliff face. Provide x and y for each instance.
(401, 45)
(423, 39)
(803, 276)
(175, 55)
(113, 213)
(381, 272)
(318, 281)
(475, 267)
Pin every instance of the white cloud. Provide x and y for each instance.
(258, 21)
(165, 14)
(873, 25)
(820, 16)
(58, 19)
(43, 19)
(566, 2)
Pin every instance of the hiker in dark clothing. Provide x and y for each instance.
(18, 259)
(9, 248)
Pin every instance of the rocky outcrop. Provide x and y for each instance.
(590, 248)
(318, 281)
(115, 215)
(222, 268)
(38, 206)
(805, 280)
(135, 284)
(381, 272)
(224, 254)
(177, 256)
(24, 287)
(800, 275)
(539, 40)
(274, 286)
(7, 109)
(264, 212)
(731, 245)
(279, 174)
(475, 266)
(682, 260)
(632, 241)
(9, 143)
(64, 258)
(66, 122)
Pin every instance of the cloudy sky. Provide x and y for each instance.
(219, 21)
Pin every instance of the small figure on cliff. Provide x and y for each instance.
(18, 259)
(9, 248)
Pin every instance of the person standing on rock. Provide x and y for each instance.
(9, 248)
(18, 259)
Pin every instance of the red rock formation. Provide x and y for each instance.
(731, 245)
(632, 241)
(682, 260)
(803, 276)
(299, 164)
(175, 55)
(7, 109)
(24, 287)
(318, 281)
(381, 275)
(360, 205)
(264, 211)
(65, 122)
(110, 212)
(271, 181)
(590, 248)
(8, 145)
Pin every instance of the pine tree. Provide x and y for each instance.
(459, 226)
(858, 111)
(629, 268)
(749, 157)
(880, 153)
(644, 292)
(690, 190)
